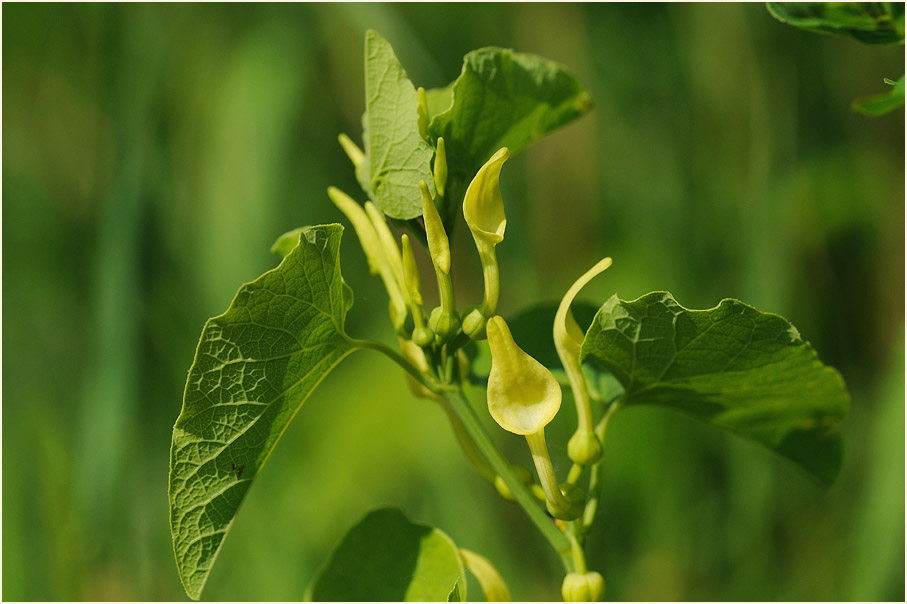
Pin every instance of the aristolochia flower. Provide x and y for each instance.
(583, 447)
(376, 253)
(523, 397)
(483, 209)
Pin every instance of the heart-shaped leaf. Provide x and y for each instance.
(732, 366)
(396, 156)
(254, 367)
(503, 99)
(388, 558)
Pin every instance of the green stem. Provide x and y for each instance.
(399, 360)
(457, 401)
(595, 474)
(521, 494)
(467, 444)
(579, 556)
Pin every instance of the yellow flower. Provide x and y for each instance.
(375, 252)
(583, 447)
(523, 397)
(483, 209)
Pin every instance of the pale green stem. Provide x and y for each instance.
(579, 556)
(400, 360)
(483, 443)
(576, 471)
(547, 477)
(445, 291)
(467, 444)
(574, 371)
(595, 475)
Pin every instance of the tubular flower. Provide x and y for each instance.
(483, 209)
(374, 252)
(351, 149)
(444, 320)
(583, 447)
(421, 335)
(493, 587)
(523, 397)
(388, 244)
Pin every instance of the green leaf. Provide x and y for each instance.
(396, 156)
(439, 99)
(869, 22)
(386, 557)
(287, 242)
(503, 98)
(732, 366)
(881, 104)
(254, 367)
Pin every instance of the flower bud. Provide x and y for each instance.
(576, 501)
(352, 150)
(375, 253)
(474, 323)
(438, 244)
(415, 355)
(583, 587)
(410, 271)
(522, 474)
(584, 448)
(440, 168)
(444, 324)
(422, 112)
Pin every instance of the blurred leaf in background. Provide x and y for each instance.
(153, 153)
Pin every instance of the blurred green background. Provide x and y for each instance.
(152, 154)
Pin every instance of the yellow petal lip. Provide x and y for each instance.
(523, 396)
(483, 207)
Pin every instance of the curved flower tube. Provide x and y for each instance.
(583, 448)
(374, 252)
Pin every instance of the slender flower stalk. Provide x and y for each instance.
(523, 397)
(583, 447)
